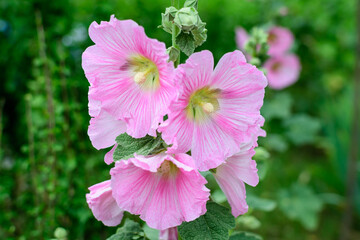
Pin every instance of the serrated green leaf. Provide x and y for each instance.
(130, 231)
(214, 224)
(186, 43)
(244, 236)
(128, 145)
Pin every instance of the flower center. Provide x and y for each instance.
(276, 67)
(203, 103)
(272, 37)
(144, 72)
(168, 168)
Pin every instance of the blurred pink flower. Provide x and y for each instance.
(163, 189)
(217, 110)
(282, 71)
(129, 75)
(241, 38)
(169, 234)
(280, 40)
(103, 205)
(237, 170)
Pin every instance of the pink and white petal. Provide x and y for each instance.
(169, 234)
(103, 205)
(162, 202)
(211, 145)
(95, 60)
(109, 156)
(115, 37)
(234, 190)
(241, 38)
(104, 129)
(197, 70)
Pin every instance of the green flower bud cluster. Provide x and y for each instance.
(186, 25)
(257, 46)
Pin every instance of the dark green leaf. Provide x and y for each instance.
(186, 43)
(130, 231)
(214, 224)
(127, 146)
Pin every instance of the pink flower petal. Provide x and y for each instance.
(109, 156)
(104, 129)
(231, 176)
(282, 71)
(280, 40)
(160, 200)
(241, 92)
(241, 38)
(103, 205)
(106, 65)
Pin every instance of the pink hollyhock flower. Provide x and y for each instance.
(163, 189)
(169, 234)
(129, 74)
(242, 38)
(217, 110)
(103, 205)
(280, 40)
(282, 71)
(237, 170)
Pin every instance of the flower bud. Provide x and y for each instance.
(168, 18)
(187, 19)
(173, 53)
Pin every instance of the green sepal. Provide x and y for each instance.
(173, 53)
(186, 43)
(191, 3)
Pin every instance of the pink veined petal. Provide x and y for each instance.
(109, 156)
(116, 41)
(241, 38)
(241, 92)
(231, 177)
(104, 129)
(283, 39)
(161, 201)
(169, 234)
(282, 71)
(103, 205)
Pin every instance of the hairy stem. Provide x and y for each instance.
(175, 3)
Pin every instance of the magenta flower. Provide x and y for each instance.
(237, 170)
(103, 205)
(280, 41)
(130, 75)
(169, 234)
(163, 189)
(217, 110)
(282, 71)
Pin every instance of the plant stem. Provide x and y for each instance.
(175, 3)
(353, 151)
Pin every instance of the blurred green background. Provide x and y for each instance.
(47, 161)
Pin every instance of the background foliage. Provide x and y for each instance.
(47, 161)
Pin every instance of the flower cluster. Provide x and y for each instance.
(208, 119)
(283, 68)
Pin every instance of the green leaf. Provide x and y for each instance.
(262, 204)
(300, 203)
(278, 107)
(151, 233)
(186, 43)
(244, 236)
(130, 231)
(128, 145)
(250, 222)
(302, 129)
(214, 224)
